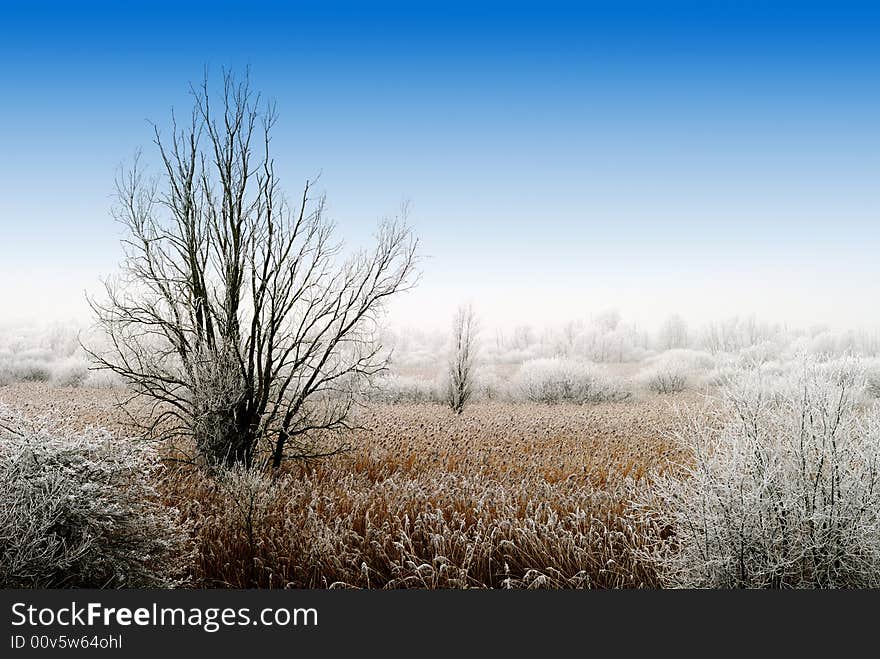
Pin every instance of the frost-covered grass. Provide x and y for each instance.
(502, 496)
(535, 495)
(80, 510)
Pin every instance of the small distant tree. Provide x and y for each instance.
(236, 319)
(523, 337)
(673, 333)
(462, 359)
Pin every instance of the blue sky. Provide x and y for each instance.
(704, 158)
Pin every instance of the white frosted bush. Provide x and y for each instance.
(602, 344)
(50, 354)
(761, 353)
(565, 381)
(736, 334)
(720, 376)
(38, 354)
(673, 333)
(488, 386)
(102, 379)
(17, 369)
(515, 355)
(872, 378)
(674, 371)
(69, 372)
(838, 343)
(79, 510)
(6, 375)
(783, 489)
(405, 389)
(666, 378)
(400, 389)
(30, 370)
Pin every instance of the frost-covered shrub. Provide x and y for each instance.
(400, 389)
(565, 381)
(830, 342)
(102, 379)
(605, 338)
(404, 389)
(488, 386)
(666, 378)
(842, 371)
(6, 377)
(499, 355)
(70, 372)
(605, 342)
(783, 489)
(14, 368)
(720, 376)
(872, 378)
(31, 370)
(674, 371)
(79, 510)
(34, 354)
(735, 334)
(673, 333)
(775, 369)
(48, 354)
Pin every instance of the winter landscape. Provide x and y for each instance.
(592, 455)
(622, 331)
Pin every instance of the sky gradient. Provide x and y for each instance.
(710, 159)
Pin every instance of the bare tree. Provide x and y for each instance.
(673, 333)
(462, 359)
(236, 318)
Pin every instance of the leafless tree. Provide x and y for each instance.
(236, 318)
(462, 358)
(673, 333)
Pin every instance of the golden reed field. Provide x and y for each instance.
(505, 495)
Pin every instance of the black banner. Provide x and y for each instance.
(406, 623)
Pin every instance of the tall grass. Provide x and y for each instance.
(487, 500)
(434, 531)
